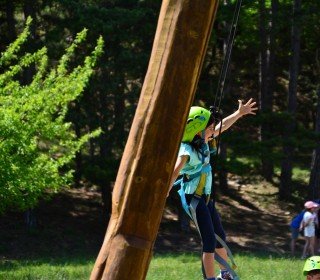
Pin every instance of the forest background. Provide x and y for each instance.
(275, 60)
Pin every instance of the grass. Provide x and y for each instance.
(163, 267)
(250, 266)
(43, 269)
(245, 165)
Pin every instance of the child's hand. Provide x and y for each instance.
(248, 108)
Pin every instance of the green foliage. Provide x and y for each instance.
(36, 143)
(109, 101)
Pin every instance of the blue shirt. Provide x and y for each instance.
(296, 221)
(198, 162)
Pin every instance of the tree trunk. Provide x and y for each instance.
(29, 10)
(105, 147)
(10, 20)
(223, 173)
(314, 183)
(266, 90)
(30, 219)
(78, 158)
(146, 167)
(288, 146)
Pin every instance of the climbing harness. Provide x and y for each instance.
(191, 208)
(191, 211)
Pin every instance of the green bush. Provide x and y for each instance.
(36, 143)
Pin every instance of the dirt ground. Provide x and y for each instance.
(252, 216)
(73, 223)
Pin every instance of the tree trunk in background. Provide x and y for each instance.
(288, 145)
(267, 128)
(30, 219)
(140, 191)
(105, 146)
(223, 174)
(10, 20)
(78, 158)
(220, 173)
(266, 87)
(29, 10)
(314, 184)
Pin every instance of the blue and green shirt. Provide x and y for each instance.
(198, 163)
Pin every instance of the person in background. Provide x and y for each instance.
(295, 230)
(308, 225)
(311, 268)
(317, 246)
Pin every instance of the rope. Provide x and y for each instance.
(224, 71)
(226, 60)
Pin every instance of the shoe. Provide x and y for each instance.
(224, 276)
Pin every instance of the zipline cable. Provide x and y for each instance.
(217, 111)
(222, 77)
(225, 67)
(226, 60)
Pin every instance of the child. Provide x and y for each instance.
(193, 163)
(309, 226)
(311, 268)
(295, 230)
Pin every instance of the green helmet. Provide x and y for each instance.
(197, 121)
(312, 263)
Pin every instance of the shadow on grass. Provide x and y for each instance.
(63, 260)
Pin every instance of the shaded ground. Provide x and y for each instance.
(73, 223)
(70, 224)
(252, 217)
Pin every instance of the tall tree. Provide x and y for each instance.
(314, 183)
(288, 134)
(267, 31)
(263, 79)
(10, 20)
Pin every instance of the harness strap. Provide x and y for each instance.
(227, 266)
(189, 177)
(200, 187)
(193, 207)
(191, 211)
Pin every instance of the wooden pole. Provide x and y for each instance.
(140, 192)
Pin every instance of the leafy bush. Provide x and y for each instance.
(36, 143)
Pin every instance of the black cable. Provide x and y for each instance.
(222, 79)
(226, 60)
(215, 157)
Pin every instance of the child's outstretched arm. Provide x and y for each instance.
(243, 109)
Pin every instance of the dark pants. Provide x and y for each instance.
(209, 223)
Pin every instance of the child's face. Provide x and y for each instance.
(209, 132)
(314, 276)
